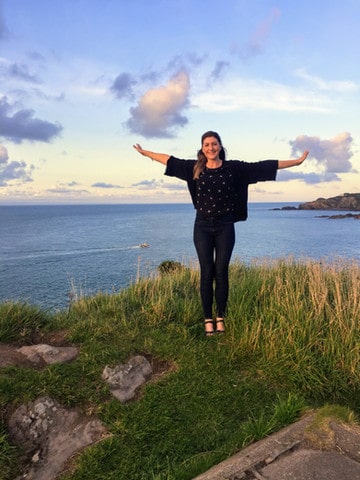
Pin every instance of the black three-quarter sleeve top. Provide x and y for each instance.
(222, 190)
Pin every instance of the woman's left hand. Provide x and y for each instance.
(303, 157)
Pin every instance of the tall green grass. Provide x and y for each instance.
(292, 341)
(302, 320)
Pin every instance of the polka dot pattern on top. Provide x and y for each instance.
(215, 192)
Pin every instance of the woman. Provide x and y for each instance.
(219, 192)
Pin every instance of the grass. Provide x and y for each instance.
(292, 342)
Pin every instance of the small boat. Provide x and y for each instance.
(144, 245)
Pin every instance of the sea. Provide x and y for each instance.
(51, 255)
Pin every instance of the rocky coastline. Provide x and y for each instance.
(349, 202)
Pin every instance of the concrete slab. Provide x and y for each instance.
(297, 452)
(306, 464)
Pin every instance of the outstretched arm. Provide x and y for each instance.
(158, 157)
(293, 163)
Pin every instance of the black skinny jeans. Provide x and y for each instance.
(214, 240)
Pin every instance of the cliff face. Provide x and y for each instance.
(347, 201)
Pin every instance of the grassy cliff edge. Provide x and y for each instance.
(292, 342)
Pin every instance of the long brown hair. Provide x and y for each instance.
(201, 159)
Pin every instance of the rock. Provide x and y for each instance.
(50, 435)
(301, 451)
(289, 207)
(347, 201)
(38, 354)
(310, 465)
(125, 379)
(346, 215)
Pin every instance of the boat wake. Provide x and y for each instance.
(73, 252)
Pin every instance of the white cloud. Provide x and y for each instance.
(13, 170)
(332, 155)
(156, 184)
(252, 94)
(159, 110)
(343, 86)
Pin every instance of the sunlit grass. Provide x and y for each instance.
(302, 318)
(292, 342)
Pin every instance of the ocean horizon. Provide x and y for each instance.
(50, 254)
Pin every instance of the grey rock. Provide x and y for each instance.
(309, 465)
(124, 380)
(38, 354)
(50, 435)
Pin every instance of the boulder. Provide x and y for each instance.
(125, 379)
(50, 435)
(42, 353)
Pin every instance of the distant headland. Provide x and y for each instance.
(347, 201)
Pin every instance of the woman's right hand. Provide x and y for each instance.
(158, 157)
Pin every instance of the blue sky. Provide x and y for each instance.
(81, 81)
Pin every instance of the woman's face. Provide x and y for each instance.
(211, 148)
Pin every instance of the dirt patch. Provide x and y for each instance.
(57, 339)
(10, 356)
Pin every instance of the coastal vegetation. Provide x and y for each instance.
(291, 344)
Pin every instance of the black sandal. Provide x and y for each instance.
(221, 322)
(209, 333)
